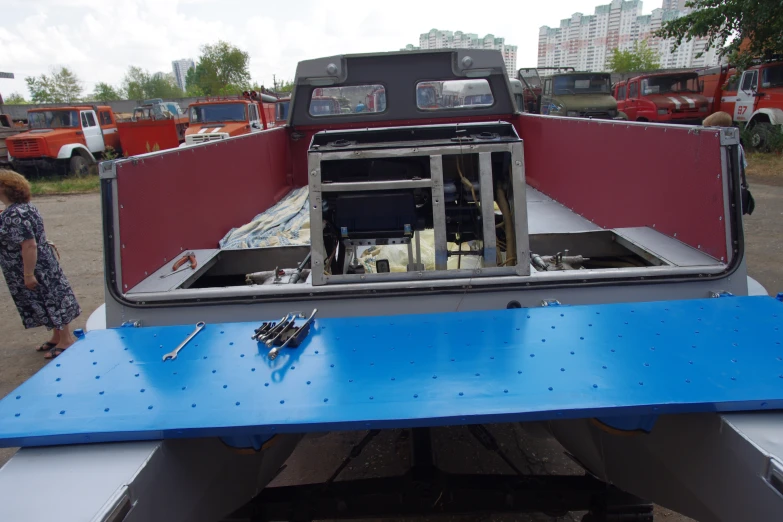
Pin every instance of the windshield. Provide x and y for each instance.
(218, 113)
(326, 106)
(282, 110)
(663, 84)
(772, 76)
(53, 119)
(582, 84)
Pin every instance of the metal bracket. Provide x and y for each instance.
(721, 293)
(729, 136)
(131, 324)
(108, 170)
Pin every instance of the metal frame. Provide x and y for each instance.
(435, 184)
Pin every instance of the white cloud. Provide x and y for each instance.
(99, 39)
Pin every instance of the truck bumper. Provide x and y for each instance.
(35, 164)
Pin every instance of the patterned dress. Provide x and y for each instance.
(52, 304)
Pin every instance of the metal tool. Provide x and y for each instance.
(284, 326)
(296, 336)
(187, 256)
(173, 354)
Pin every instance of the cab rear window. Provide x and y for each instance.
(350, 99)
(453, 94)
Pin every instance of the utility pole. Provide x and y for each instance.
(274, 83)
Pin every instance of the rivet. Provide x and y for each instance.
(550, 388)
(105, 409)
(149, 407)
(266, 384)
(282, 402)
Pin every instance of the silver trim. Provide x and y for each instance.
(519, 185)
(439, 213)
(317, 247)
(376, 185)
(116, 235)
(487, 210)
(107, 170)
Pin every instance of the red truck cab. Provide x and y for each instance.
(64, 139)
(662, 98)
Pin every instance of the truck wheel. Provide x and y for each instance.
(760, 136)
(80, 166)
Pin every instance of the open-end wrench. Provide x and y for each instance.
(173, 354)
(288, 323)
(276, 350)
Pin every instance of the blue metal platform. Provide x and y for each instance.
(619, 360)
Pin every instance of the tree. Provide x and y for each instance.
(741, 29)
(139, 84)
(61, 86)
(640, 58)
(105, 92)
(286, 86)
(221, 69)
(15, 99)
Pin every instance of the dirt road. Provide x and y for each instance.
(73, 223)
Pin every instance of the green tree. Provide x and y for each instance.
(741, 29)
(221, 69)
(286, 86)
(15, 99)
(105, 92)
(60, 86)
(640, 58)
(139, 84)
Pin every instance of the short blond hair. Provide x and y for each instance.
(718, 119)
(15, 186)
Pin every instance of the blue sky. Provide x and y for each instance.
(99, 39)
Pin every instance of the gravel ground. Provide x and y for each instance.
(73, 223)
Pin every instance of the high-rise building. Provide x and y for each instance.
(586, 42)
(180, 69)
(673, 5)
(436, 39)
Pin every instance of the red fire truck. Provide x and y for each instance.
(662, 97)
(754, 97)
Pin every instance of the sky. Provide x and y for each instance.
(100, 39)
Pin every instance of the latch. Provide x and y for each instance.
(131, 324)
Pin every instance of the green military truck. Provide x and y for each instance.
(562, 91)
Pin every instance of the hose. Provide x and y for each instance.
(511, 237)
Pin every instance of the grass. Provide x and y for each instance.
(765, 165)
(70, 185)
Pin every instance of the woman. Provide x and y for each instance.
(34, 277)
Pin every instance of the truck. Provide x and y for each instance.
(8, 128)
(607, 307)
(569, 93)
(154, 125)
(662, 98)
(754, 97)
(221, 117)
(65, 140)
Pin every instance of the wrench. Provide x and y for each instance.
(276, 350)
(288, 323)
(173, 354)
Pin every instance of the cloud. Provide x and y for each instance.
(100, 39)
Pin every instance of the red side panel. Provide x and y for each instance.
(630, 175)
(141, 137)
(189, 198)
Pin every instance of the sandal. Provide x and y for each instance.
(54, 352)
(46, 347)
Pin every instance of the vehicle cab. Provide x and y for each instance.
(64, 138)
(665, 98)
(578, 95)
(225, 117)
